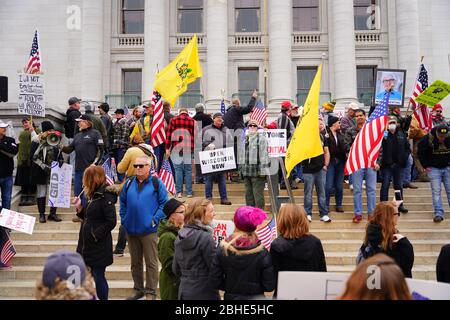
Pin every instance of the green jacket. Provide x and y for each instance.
(168, 281)
(253, 156)
(23, 156)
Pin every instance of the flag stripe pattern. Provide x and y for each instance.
(367, 144)
(7, 249)
(421, 111)
(259, 113)
(166, 176)
(108, 172)
(267, 233)
(34, 62)
(158, 132)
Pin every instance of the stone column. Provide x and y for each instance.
(280, 53)
(216, 53)
(408, 44)
(156, 47)
(343, 51)
(91, 75)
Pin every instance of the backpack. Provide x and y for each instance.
(154, 181)
(367, 252)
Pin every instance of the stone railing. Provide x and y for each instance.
(130, 41)
(306, 39)
(246, 40)
(367, 37)
(184, 39)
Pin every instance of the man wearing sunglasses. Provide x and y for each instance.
(437, 114)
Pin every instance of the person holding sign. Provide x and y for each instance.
(253, 163)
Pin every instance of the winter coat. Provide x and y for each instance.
(8, 149)
(126, 165)
(204, 118)
(433, 154)
(349, 138)
(99, 219)
(98, 125)
(443, 265)
(395, 149)
(347, 124)
(220, 137)
(234, 117)
(70, 126)
(194, 253)
(42, 155)
(141, 207)
(253, 156)
(168, 281)
(337, 151)
(300, 254)
(283, 122)
(243, 270)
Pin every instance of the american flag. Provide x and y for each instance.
(166, 176)
(127, 113)
(222, 107)
(421, 111)
(7, 249)
(158, 132)
(267, 233)
(365, 148)
(108, 172)
(259, 113)
(34, 62)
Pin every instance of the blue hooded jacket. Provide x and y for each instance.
(141, 210)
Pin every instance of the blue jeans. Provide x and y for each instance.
(335, 180)
(101, 285)
(297, 172)
(221, 182)
(318, 180)
(6, 186)
(370, 176)
(118, 156)
(78, 187)
(407, 171)
(437, 176)
(396, 173)
(183, 170)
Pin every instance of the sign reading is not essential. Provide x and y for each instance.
(17, 221)
(276, 142)
(222, 230)
(218, 160)
(31, 94)
(60, 184)
(434, 93)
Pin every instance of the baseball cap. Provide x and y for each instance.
(74, 100)
(286, 104)
(121, 111)
(63, 264)
(392, 119)
(84, 117)
(353, 106)
(218, 114)
(3, 125)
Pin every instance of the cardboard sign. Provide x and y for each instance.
(222, 230)
(276, 142)
(60, 184)
(218, 160)
(17, 221)
(434, 93)
(339, 112)
(31, 95)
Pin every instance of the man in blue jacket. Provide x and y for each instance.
(141, 208)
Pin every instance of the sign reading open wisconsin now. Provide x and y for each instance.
(218, 160)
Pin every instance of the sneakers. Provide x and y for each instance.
(325, 218)
(225, 202)
(117, 253)
(438, 219)
(309, 218)
(137, 296)
(179, 195)
(339, 209)
(357, 218)
(189, 196)
(364, 184)
(297, 180)
(351, 187)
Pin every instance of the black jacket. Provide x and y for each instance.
(395, 149)
(337, 151)
(443, 265)
(204, 118)
(70, 124)
(431, 153)
(301, 254)
(41, 161)
(244, 271)
(99, 219)
(234, 117)
(8, 149)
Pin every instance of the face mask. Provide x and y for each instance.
(392, 127)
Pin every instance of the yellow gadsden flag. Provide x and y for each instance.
(305, 142)
(172, 81)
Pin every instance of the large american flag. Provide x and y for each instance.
(166, 176)
(267, 233)
(365, 148)
(421, 111)
(108, 172)
(7, 249)
(259, 113)
(34, 62)
(158, 132)
(222, 107)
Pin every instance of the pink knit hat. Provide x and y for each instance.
(248, 218)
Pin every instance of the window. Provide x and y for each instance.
(133, 16)
(132, 82)
(247, 15)
(305, 15)
(365, 78)
(248, 81)
(364, 11)
(305, 77)
(190, 16)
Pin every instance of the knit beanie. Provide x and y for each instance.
(248, 218)
(46, 126)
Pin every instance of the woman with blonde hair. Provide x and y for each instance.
(382, 237)
(377, 278)
(295, 249)
(98, 220)
(194, 252)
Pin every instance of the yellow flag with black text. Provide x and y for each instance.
(172, 81)
(305, 142)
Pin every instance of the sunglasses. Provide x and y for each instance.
(252, 125)
(140, 166)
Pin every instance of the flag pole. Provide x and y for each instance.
(417, 78)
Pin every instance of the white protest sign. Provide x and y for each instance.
(31, 94)
(222, 230)
(430, 289)
(276, 142)
(218, 160)
(17, 221)
(339, 112)
(60, 184)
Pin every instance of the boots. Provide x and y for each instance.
(41, 208)
(53, 216)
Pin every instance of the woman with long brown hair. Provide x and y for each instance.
(98, 220)
(377, 278)
(382, 236)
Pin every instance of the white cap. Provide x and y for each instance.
(3, 125)
(353, 106)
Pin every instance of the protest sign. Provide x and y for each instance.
(31, 95)
(60, 184)
(218, 160)
(276, 142)
(17, 221)
(339, 112)
(434, 93)
(222, 230)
